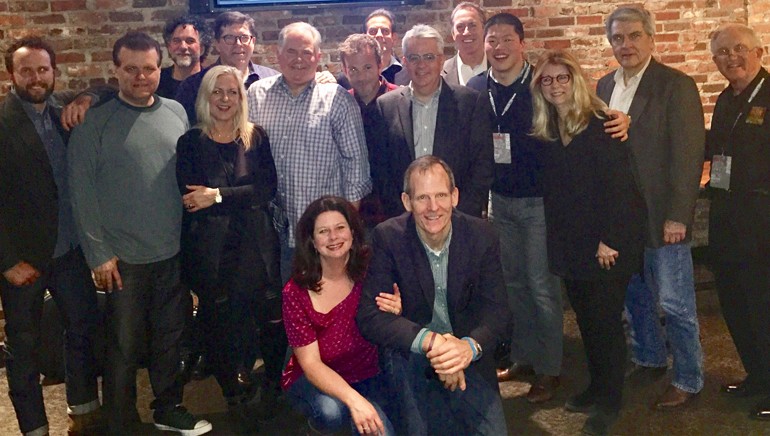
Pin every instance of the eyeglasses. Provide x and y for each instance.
(374, 30)
(548, 80)
(243, 39)
(415, 58)
(739, 50)
(619, 39)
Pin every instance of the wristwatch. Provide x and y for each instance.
(479, 352)
(218, 197)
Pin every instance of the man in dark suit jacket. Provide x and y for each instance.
(432, 117)
(667, 140)
(39, 249)
(454, 309)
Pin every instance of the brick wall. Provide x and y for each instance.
(83, 31)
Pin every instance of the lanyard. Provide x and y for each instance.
(524, 75)
(748, 102)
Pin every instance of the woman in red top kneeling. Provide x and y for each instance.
(332, 375)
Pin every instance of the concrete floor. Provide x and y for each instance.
(710, 414)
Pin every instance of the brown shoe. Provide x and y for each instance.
(514, 371)
(542, 389)
(91, 423)
(673, 398)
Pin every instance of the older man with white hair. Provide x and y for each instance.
(315, 130)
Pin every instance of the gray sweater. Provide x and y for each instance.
(122, 163)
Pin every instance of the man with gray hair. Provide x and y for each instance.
(316, 134)
(431, 117)
(740, 206)
(667, 138)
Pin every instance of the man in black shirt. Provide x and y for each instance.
(188, 40)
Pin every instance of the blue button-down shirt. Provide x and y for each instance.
(317, 140)
(57, 156)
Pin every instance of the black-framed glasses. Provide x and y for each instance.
(243, 39)
(415, 58)
(738, 50)
(548, 80)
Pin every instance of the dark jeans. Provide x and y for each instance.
(744, 294)
(598, 306)
(422, 406)
(327, 414)
(149, 312)
(69, 281)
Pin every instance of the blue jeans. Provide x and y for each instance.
(69, 280)
(149, 312)
(668, 281)
(327, 414)
(534, 294)
(423, 406)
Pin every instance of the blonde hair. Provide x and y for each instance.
(585, 103)
(244, 130)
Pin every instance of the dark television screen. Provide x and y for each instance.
(219, 5)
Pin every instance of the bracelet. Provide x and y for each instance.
(473, 347)
(422, 337)
(432, 339)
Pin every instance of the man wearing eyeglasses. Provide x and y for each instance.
(431, 117)
(187, 40)
(667, 140)
(234, 39)
(739, 216)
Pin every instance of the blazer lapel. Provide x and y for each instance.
(420, 263)
(29, 139)
(455, 266)
(405, 117)
(445, 120)
(642, 96)
(604, 90)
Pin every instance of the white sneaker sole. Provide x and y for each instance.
(194, 432)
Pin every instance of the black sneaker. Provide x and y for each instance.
(599, 422)
(181, 421)
(581, 403)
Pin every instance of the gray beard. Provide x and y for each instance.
(183, 61)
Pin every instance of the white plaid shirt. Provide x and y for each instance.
(317, 140)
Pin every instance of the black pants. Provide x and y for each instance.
(69, 281)
(744, 294)
(147, 316)
(598, 306)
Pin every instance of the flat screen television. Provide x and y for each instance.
(246, 5)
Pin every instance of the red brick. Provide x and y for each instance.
(123, 17)
(353, 20)
(12, 20)
(557, 44)
(101, 56)
(667, 37)
(561, 21)
(667, 16)
(3, 6)
(64, 58)
(549, 33)
(86, 18)
(48, 19)
(679, 5)
(68, 5)
(28, 6)
(590, 19)
(496, 3)
(671, 58)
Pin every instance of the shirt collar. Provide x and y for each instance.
(636, 77)
(435, 94)
(444, 249)
(460, 62)
(525, 69)
(285, 86)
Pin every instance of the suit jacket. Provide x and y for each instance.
(476, 296)
(667, 139)
(460, 140)
(449, 73)
(29, 217)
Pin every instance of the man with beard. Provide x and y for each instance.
(39, 248)
(187, 41)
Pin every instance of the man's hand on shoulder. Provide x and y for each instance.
(674, 232)
(617, 125)
(325, 77)
(21, 274)
(450, 356)
(74, 113)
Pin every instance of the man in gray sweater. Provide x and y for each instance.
(128, 212)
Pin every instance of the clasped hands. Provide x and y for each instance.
(449, 357)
